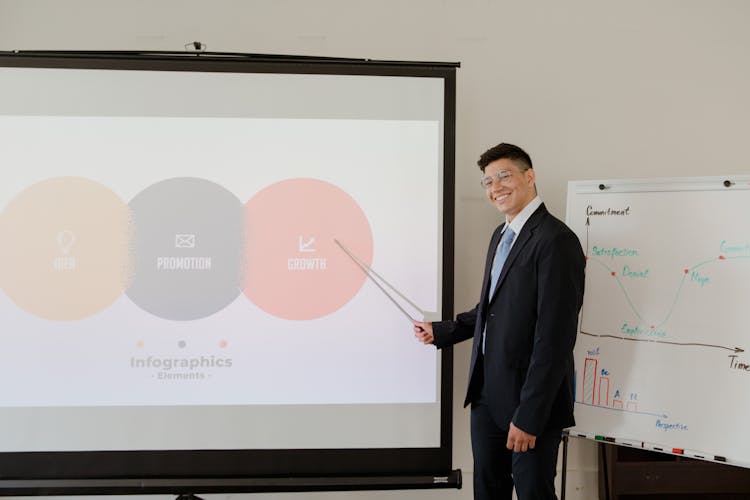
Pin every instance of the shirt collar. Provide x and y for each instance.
(519, 220)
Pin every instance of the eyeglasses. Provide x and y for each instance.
(503, 176)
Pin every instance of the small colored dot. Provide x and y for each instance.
(686, 271)
(613, 273)
(223, 344)
(139, 344)
(721, 257)
(181, 344)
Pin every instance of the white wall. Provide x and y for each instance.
(591, 88)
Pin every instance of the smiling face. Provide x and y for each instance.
(512, 194)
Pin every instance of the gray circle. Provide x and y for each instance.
(186, 248)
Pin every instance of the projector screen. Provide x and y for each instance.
(183, 257)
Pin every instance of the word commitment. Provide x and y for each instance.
(734, 249)
(608, 211)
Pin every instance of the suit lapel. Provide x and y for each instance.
(521, 240)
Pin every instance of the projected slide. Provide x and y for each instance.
(142, 266)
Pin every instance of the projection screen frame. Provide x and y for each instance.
(224, 471)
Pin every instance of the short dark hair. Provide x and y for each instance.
(509, 151)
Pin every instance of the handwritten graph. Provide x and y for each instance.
(661, 357)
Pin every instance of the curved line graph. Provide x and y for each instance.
(613, 273)
(634, 309)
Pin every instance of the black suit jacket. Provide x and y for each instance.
(532, 319)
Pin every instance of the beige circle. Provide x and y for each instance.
(64, 248)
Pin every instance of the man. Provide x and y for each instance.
(524, 328)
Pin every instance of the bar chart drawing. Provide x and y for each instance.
(589, 379)
(598, 391)
(603, 387)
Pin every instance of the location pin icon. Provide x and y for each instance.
(65, 240)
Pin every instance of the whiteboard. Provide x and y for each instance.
(661, 356)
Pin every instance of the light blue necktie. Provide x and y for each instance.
(503, 249)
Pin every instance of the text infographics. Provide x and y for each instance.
(660, 355)
(182, 249)
(206, 273)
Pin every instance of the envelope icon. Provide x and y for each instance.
(184, 241)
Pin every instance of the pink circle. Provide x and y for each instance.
(293, 267)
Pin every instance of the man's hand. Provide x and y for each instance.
(519, 440)
(423, 332)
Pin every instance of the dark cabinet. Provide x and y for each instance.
(636, 474)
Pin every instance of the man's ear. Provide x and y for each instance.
(531, 175)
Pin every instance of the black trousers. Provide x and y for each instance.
(497, 470)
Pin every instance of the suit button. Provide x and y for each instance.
(492, 315)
